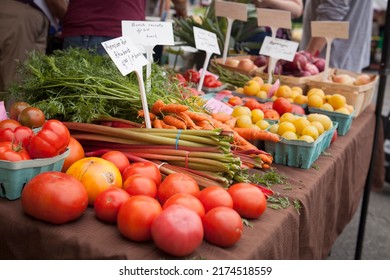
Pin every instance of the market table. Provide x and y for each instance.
(329, 195)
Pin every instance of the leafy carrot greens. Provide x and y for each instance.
(75, 85)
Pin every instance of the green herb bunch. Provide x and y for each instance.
(75, 85)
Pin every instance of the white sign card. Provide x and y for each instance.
(279, 48)
(205, 41)
(125, 54)
(128, 58)
(329, 30)
(231, 11)
(149, 33)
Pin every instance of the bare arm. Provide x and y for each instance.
(294, 6)
(316, 45)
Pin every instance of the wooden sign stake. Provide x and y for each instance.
(329, 30)
(231, 11)
(143, 97)
(205, 65)
(274, 19)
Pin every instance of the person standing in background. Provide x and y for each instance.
(88, 23)
(351, 54)
(23, 28)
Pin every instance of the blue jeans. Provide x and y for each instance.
(92, 43)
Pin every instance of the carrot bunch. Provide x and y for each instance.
(178, 116)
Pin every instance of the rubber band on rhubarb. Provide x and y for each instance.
(178, 138)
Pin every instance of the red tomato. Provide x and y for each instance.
(191, 75)
(187, 200)
(50, 141)
(235, 100)
(176, 183)
(181, 79)
(21, 134)
(146, 168)
(76, 152)
(248, 200)
(118, 158)
(13, 152)
(253, 104)
(214, 196)
(211, 81)
(32, 117)
(7, 134)
(271, 114)
(54, 197)
(136, 216)
(96, 174)
(282, 105)
(177, 231)
(16, 108)
(140, 185)
(222, 226)
(108, 203)
(12, 124)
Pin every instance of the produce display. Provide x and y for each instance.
(187, 179)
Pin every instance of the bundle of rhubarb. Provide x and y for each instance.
(206, 155)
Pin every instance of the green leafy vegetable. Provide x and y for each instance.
(75, 85)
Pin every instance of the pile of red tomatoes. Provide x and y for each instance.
(173, 212)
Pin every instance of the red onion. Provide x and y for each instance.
(312, 69)
(299, 62)
(320, 64)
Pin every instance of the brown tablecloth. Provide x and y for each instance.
(329, 195)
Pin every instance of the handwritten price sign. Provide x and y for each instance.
(206, 41)
(279, 48)
(128, 58)
(125, 54)
(149, 33)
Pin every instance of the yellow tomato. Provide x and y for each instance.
(96, 174)
(251, 88)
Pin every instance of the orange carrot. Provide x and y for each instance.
(232, 122)
(174, 108)
(157, 123)
(171, 120)
(196, 117)
(256, 134)
(267, 159)
(222, 116)
(141, 114)
(188, 121)
(265, 166)
(167, 126)
(239, 142)
(205, 124)
(156, 107)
